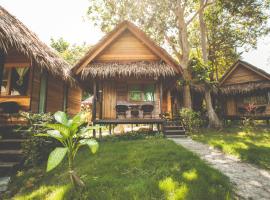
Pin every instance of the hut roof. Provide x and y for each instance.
(85, 62)
(244, 64)
(14, 34)
(133, 69)
(247, 87)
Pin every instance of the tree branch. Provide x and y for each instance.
(197, 12)
(176, 52)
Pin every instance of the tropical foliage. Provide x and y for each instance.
(36, 149)
(69, 133)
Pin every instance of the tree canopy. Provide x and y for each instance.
(230, 24)
(70, 53)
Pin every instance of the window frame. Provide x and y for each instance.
(142, 89)
(9, 81)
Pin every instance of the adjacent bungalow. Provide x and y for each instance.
(245, 92)
(32, 77)
(130, 76)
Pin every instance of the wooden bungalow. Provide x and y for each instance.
(32, 76)
(130, 76)
(245, 91)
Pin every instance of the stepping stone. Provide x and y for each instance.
(4, 183)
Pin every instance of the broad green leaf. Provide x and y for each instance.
(64, 131)
(55, 134)
(56, 157)
(61, 117)
(92, 144)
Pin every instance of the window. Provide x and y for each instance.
(257, 100)
(149, 93)
(15, 81)
(141, 92)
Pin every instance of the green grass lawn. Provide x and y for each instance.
(136, 169)
(252, 146)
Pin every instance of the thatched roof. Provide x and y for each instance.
(14, 34)
(248, 66)
(111, 36)
(132, 69)
(245, 88)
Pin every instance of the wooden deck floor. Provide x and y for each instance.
(255, 117)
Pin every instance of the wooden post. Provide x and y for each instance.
(65, 96)
(94, 105)
(110, 129)
(2, 63)
(94, 108)
(100, 133)
(43, 92)
(161, 95)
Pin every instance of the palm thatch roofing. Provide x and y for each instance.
(87, 67)
(14, 34)
(133, 69)
(246, 87)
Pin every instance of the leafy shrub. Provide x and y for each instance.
(37, 149)
(191, 120)
(134, 135)
(68, 132)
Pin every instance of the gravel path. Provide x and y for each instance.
(250, 182)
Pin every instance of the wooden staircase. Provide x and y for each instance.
(173, 129)
(11, 154)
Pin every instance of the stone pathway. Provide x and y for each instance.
(4, 183)
(250, 182)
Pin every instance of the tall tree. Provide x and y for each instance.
(214, 121)
(70, 53)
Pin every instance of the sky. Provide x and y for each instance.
(67, 19)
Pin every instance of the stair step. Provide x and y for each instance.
(9, 152)
(176, 136)
(174, 132)
(174, 127)
(7, 168)
(11, 144)
(8, 164)
(12, 140)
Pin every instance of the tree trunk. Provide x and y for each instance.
(214, 121)
(184, 44)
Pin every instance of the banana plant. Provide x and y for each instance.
(69, 131)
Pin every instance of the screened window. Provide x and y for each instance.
(15, 81)
(141, 92)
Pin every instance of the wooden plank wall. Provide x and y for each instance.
(231, 106)
(55, 94)
(109, 100)
(15, 58)
(242, 75)
(166, 102)
(126, 48)
(74, 96)
(35, 89)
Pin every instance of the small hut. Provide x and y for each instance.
(32, 76)
(245, 91)
(130, 77)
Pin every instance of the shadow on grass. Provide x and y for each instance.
(253, 147)
(141, 169)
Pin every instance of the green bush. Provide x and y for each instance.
(134, 135)
(37, 149)
(191, 120)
